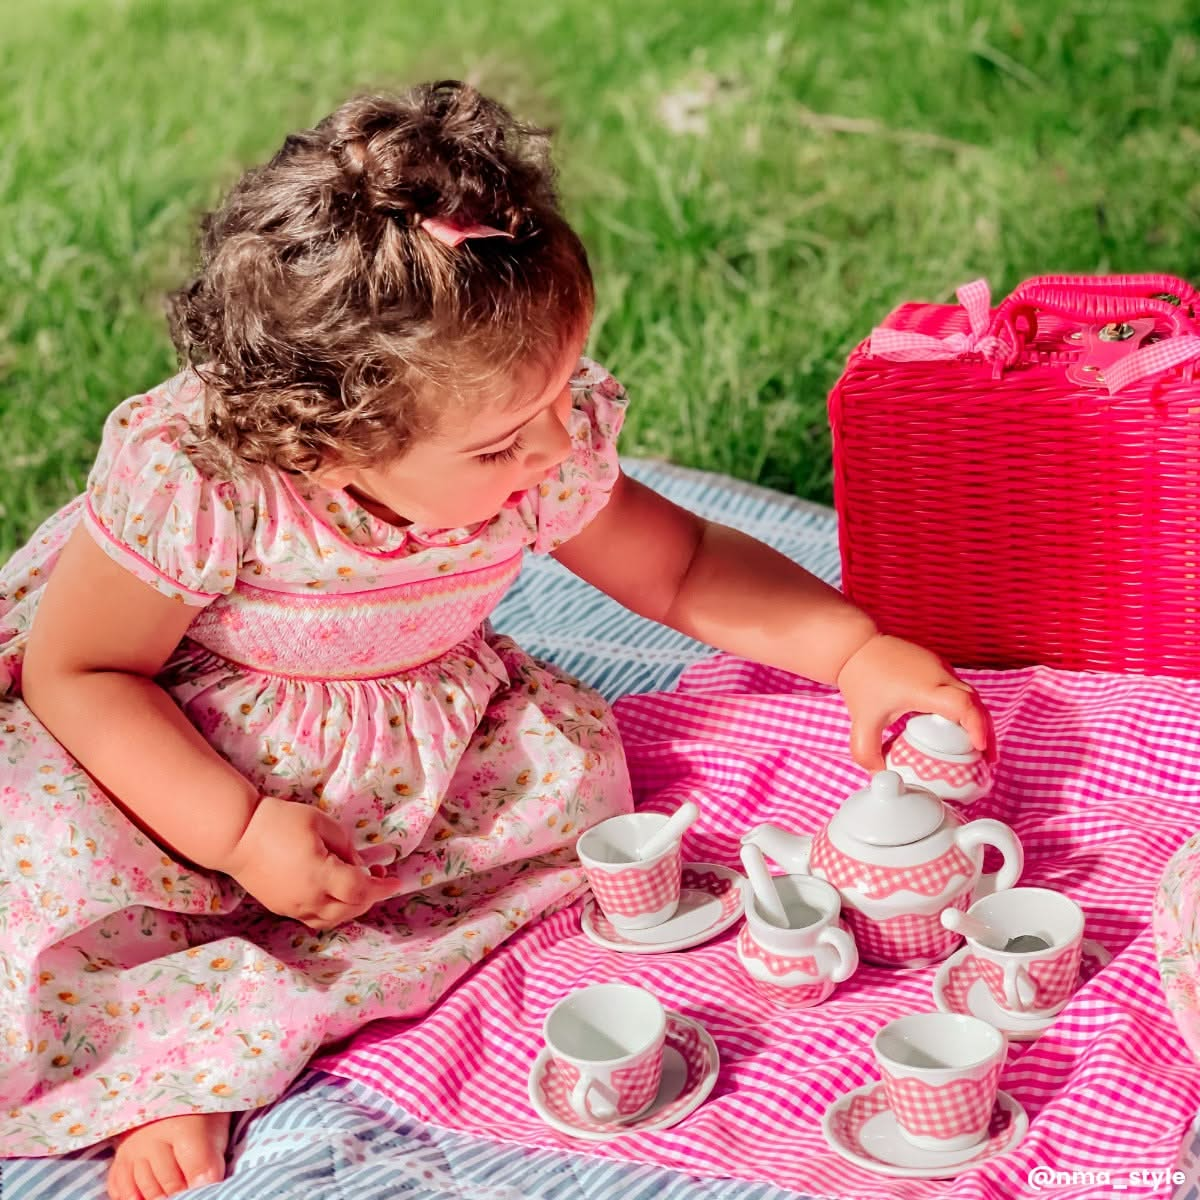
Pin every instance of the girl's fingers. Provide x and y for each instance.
(866, 743)
(960, 703)
(355, 886)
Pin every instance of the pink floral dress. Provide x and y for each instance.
(334, 660)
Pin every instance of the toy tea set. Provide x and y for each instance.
(895, 877)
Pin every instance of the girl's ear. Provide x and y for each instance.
(334, 475)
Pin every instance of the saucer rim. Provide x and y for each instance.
(1015, 1028)
(878, 1166)
(703, 1091)
(593, 935)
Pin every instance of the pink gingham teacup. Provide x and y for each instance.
(940, 1073)
(632, 893)
(1035, 983)
(607, 1042)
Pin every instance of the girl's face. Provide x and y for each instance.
(468, 471)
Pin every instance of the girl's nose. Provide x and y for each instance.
(550, 439)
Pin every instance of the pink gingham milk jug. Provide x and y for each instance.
(797, 963)
(897, 856)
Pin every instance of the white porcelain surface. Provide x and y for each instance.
(681, 1091)
(886, 813)
(701, 915)
(941, 737)
(981, 1003)
(882, 1149)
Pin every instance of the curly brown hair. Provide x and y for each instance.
(328, 327)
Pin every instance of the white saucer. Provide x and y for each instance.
(712, 898)
(690, 1066)
(861, 1129)
(979, 1001)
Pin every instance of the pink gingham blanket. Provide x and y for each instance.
(1099, 775)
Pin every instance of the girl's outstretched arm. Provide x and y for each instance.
(737, 594)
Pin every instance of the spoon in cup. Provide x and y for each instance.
(985, 935)
(762, 886)
(672, 831)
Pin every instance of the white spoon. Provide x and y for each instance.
(672, 831)
(762, 886)
(959, 922)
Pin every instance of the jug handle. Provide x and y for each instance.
(973, 837)
(843, 946)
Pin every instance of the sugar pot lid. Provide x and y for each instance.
(937, 735)
(886, 813)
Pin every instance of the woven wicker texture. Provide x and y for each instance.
(1003, 515)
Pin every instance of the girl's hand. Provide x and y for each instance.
(888, 677)
(299, 862)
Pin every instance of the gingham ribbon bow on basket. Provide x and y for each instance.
(903, 345)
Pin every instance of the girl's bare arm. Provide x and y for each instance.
(99, 637)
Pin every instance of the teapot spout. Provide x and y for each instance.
(789, 850)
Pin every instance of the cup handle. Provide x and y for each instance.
(843, 946)
(601, 1109)
(1019, 989)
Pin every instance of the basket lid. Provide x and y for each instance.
(938, 735)
(886, 813)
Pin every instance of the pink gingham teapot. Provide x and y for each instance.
(898, 856)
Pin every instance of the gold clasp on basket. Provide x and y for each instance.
(1101, 346)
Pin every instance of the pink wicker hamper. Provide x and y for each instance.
(1022, 484)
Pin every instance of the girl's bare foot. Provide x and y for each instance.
(168, 1156)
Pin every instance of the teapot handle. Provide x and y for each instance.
(971, 839)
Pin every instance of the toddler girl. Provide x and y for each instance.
(266, 771)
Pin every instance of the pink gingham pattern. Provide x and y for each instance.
(956, 775)
(903, 345)
(1097, 773)
(848, 1127)
(634, 1086)
(878, 882)
(634, 891)
(802, 995)
(776, 964)
(691, 879)
(942, 1110)
(1154, 359)
(1052, 978)
(637, 1084)
(911, 936)
(556, 1083)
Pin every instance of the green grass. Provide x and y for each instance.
(852, 154)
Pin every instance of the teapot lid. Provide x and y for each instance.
(886, 813)
(938, 735)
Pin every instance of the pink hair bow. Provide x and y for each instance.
(903, 345)
(450, 233)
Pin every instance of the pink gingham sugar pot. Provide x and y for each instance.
(936, 754)
(897, 856)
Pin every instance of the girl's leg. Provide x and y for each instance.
(169, 1156)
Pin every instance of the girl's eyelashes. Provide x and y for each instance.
(509, 452)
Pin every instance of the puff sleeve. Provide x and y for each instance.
(153, 511)
(566, 501)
